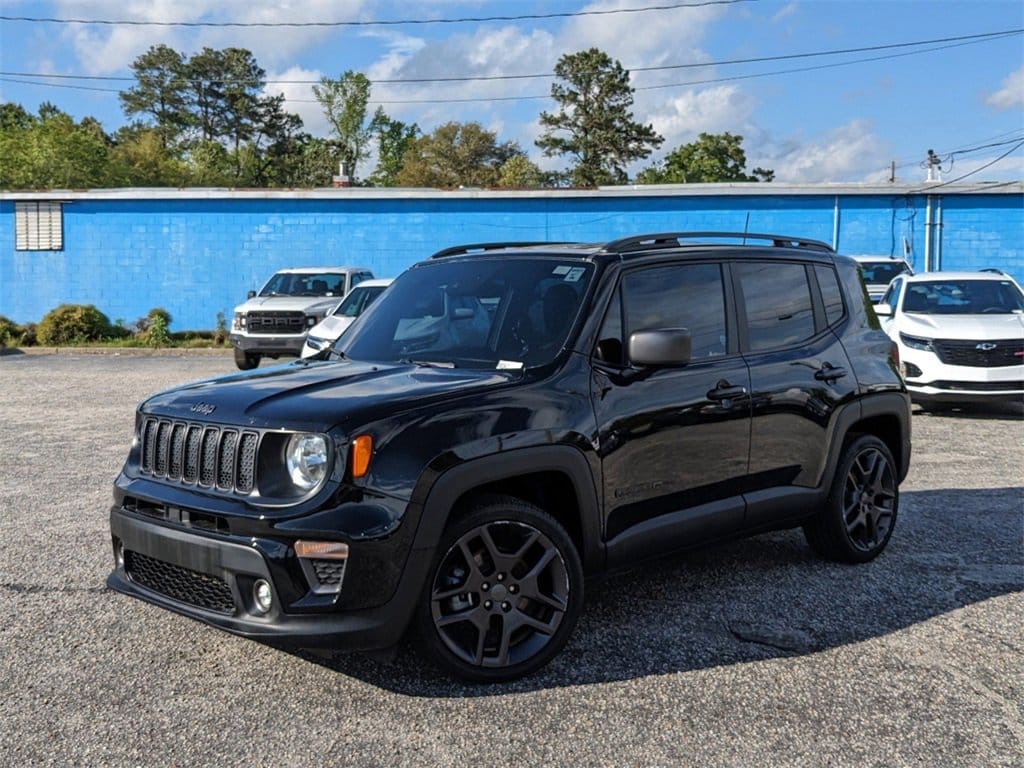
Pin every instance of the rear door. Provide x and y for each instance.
(674, 442)
(789, 313)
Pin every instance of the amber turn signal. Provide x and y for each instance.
(362, 450)
(322, 550)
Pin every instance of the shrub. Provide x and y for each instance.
(8, 332)
(157, 334)
(73, 324)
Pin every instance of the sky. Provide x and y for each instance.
(840, 117)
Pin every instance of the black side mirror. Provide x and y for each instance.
(250, 294)
(662, 347)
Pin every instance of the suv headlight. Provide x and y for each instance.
(916, 342)
(306, 457)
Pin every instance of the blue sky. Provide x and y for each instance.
(831, 124)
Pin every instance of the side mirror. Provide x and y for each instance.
(250, 294)
(663, 347)
(883, 310)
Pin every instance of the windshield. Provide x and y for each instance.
(506, 313)
(358, 299)
(295, 284)
(963, 297)
(877, 272)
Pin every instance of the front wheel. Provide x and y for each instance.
(504, 594)
(246, 361)
(858, 518)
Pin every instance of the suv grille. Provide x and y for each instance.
(181, 584)
(1006, 352)
(275, 322)
(196, 453)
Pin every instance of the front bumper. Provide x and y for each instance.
(269, 345)
(935, 381)
(211, 578)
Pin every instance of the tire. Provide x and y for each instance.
(858, 518)
(504, 593)
(246, 361)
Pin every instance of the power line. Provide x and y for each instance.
(979, 169)
(980, 37)
(369, 23)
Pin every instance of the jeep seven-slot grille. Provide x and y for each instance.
(980, 354)
(181, 584)
(275, 322)
(198, 454)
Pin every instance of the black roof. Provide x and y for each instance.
(644, 244)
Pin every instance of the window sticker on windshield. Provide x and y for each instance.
(509, 365)
(574, 274)
(561, 270)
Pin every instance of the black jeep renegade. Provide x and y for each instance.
(507, 420)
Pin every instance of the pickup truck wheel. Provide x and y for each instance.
(504, 594)
(857, 521)
(246, 361)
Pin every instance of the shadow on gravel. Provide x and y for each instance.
(761, 598)
(973, 411)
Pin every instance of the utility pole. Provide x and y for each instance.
(934, 165)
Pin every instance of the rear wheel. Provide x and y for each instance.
(246, 361)
(858, 518)
(504, 593)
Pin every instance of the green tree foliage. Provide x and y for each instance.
(713, 157)
(519, 172)
(73, 324)
(139, 159)
(52, 151)
(594, 124)
(393, 140)
(344, 101)
(454, 155)
(160, 94)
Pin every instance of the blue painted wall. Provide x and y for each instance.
(198, 257)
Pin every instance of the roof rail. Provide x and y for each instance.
(460, 250)
(671, 240)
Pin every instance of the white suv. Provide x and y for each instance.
(960, 336)
(338, 319)
(274, 321)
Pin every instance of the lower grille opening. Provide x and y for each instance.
(186, 586)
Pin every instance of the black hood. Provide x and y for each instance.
(318, 395)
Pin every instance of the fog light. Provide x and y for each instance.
(262, 595)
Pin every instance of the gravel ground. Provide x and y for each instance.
(753, 653)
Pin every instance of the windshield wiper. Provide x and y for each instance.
(428, 363)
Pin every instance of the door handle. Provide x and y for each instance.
(828, 373)
(726, 391)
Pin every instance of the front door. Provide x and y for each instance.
(674, 442)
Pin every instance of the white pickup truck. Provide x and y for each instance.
(274, 321)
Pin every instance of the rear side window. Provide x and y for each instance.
(831, 296)
(777, 299)
(679, 296)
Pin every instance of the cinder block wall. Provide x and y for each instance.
(196, 256)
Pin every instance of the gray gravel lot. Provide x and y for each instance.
(754, 653)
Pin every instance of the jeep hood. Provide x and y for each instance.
(317, 395)
(963, 327)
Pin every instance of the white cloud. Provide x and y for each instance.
(850, 152)
(787, 10)
(1011, 95)
(299, 97)
(106, 49)
(711, 110)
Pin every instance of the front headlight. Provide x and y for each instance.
(916, 342)
(306, 457)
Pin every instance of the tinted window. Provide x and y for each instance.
(679, 296)
(963, 297)
(777, 299)
(358, 299)
(832, 297)
(892, 295)
(296, 284)
(609, 345)
(876, 272)
(485, 313)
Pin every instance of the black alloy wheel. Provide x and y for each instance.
(505, 594)
(869, 499)
(858, 518)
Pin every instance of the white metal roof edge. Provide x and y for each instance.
(405, 193)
